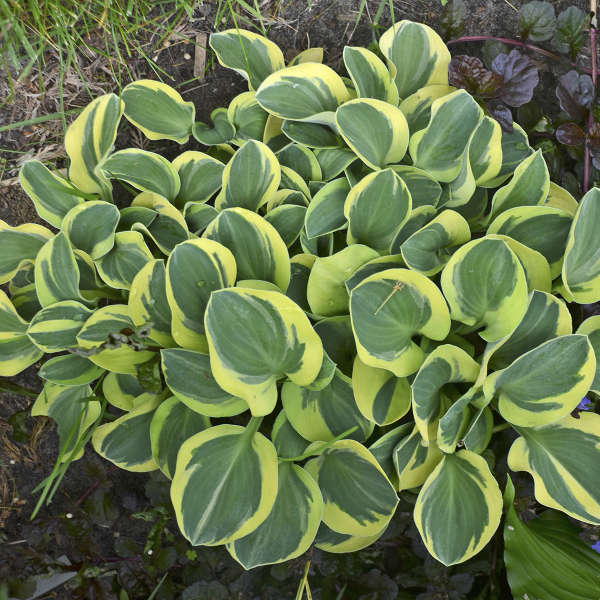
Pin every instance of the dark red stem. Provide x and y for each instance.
(510, 42)
(590, 123)
(91, 489)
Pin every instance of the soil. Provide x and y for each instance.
(113, 513)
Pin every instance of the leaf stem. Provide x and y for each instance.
(511, 42)
(320, 448)
(253, 425)
(500, 427)
(590, 122)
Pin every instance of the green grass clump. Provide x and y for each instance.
(113, 29)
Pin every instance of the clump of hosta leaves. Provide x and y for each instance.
(343, 297)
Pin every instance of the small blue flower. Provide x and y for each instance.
(585, 404)
(596, 546)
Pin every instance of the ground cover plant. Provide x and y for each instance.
(380, 313)
(564, 125)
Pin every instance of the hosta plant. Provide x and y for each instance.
(346, 294)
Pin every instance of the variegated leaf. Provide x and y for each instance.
(376, 208)
(17, 351)
(417, 55)
(158, 110)
(148, 305)
(103, 334)
(194, 270)
(302, 92)
(291, 526)
(251, 55)
(370, 76)
(91, 227)
(51, 195)
(256, 337)
(56, 272)
(581, 267)
(126, 440)
(119, 266)
(388, 309)
(414, 460)
(225, 484)
(591, 328)
(376, 131)
(440, 147)
(72, 409)
(200, 176)
(562, 458)
(55, 327)
(249, 178)
(380, 396)
(326, 291)
(528, 187)
(446, 364)
(88, 141)
(546, 383)
(172, 424)
(485, 285)
(324, 414)
(325, 213)
(258, 249)
(144, 170)
(20, 246)
(366, 501)
(201, 393)
(429, 249)
(459, 508)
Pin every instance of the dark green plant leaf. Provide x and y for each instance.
(569, 568)
(101, 508)
(570, 31)
(203, 590)
(537, 21)
(575, 94)
(149, 375)
(125, 547)
(529, 115)
(491, 49)
(20, 429)
(553, 156)
(453, 19)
